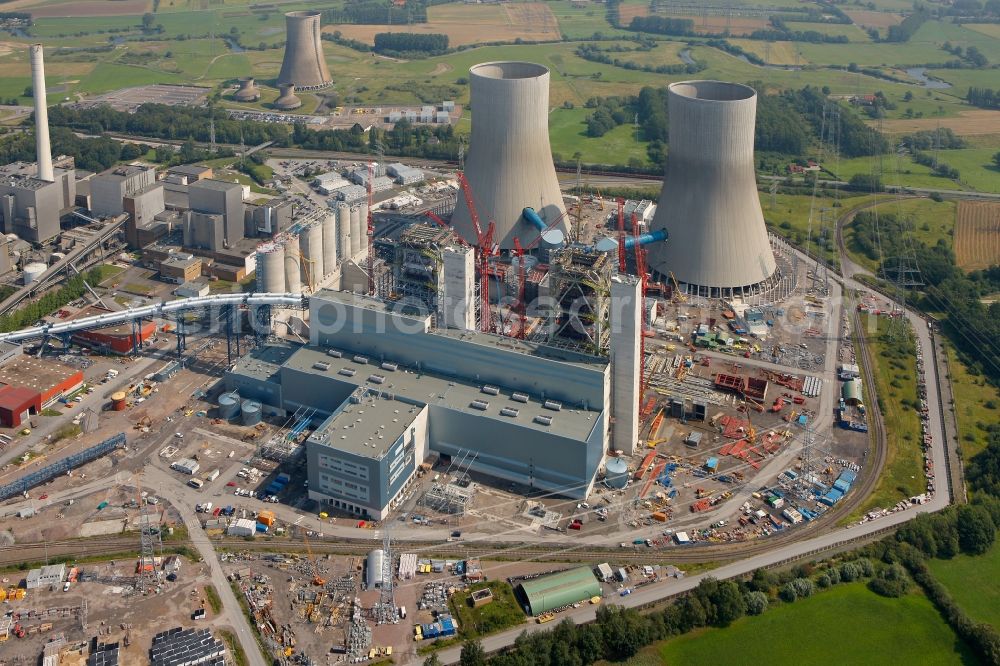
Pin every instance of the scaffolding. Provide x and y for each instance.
(359, 635)
(581, 286)
(284, 444)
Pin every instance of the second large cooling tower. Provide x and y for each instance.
(304, 65)
(509, 165)
(718, 244)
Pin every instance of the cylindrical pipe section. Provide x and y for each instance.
(43, 149)
(709, 202)
(509, 163)
(344, 231)
(311, 247)
(646, 239)
(356, 231)
(304, 63)
(293, 279)
(271, 267)
(329, 243)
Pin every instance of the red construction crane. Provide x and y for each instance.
(371, 230)
(484, 249)
(640, 269)
(621, 235)
(521, 305)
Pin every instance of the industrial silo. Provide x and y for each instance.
(229, 405)
(343, 231)
(293, 280)
(303, 63)
(33, 271)
(271, 267)
(509, 164)
(616, 473)
(709, 205)
(311, 248)
(251, 412)
(357, 231)
(329, 243)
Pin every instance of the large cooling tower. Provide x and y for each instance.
(303, 64)
(509, 164)
(718, 245)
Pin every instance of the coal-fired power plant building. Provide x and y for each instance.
(304, 65)
(709, 204)
(509, 164)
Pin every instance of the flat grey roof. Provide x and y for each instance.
(265, 362)
(368, 428)
(189, 169)
(431, 389)
(212, 184)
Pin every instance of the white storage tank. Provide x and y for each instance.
(363, 214)
(251, 412)
(616, 472)
(343, 231)
(271, 267)
(356, 231)
(293, 279)
(329, 243)
(33, 271)
(229, 405)
(311, 247)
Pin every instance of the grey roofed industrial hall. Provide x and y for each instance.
(304, 64)
(387, 388)
(718, 244)
(509, 163)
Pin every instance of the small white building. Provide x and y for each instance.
(191, 290)
(604, 572)
(792, 516)
(46, 576)
(185, 466)
(242, 527)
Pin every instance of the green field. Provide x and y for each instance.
(972, 393)
(184, 53)
(847, 624)
(895, 376)
(502, 613)
(932, 220)
(974, 582)
(788, 216)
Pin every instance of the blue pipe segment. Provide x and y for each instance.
(646, 239)
(532, 217)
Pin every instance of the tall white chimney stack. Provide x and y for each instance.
(42, 146)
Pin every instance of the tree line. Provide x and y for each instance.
(662, 25)
(901, 32)
(985, 98)
(373, 12)
(28, 314)
(92, 154)
(395, 43)
(170, 122)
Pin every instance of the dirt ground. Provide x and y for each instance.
(977, 234)
(967, 123)
(629, 12)
(112, 611)
(471, 24)
(872, 19)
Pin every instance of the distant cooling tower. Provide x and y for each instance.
(248, 91)
(509, 164)
(303, 64)
(718, 244)
(287, 100)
